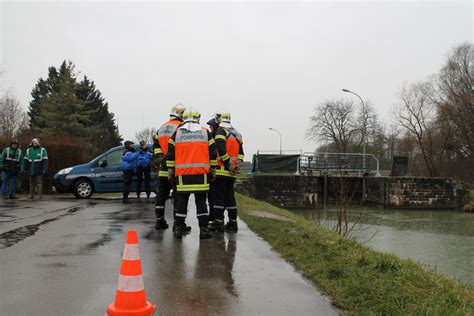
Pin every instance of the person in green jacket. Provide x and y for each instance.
(36, 165)
(11, 164)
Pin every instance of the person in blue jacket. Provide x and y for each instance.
(143, 170)
(129, 164)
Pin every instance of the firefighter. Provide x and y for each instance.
(36, 164)
(191, 158)
(11, 164)
(143, 170)
(230, 156)
(214, 123)
(213, 126)
(129, 164)
(160, 149)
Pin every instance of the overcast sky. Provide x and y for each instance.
(268, 63)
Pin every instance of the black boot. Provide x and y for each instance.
(186, 228)
(178, 231)
(125, 199)
(204, 233)
(231, 226)
(217, 226)
(161, 224)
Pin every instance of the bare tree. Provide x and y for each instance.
(417, 115)
(13, 118)
(145, 134)
(452, 91)
(334, 121)
(368, 124)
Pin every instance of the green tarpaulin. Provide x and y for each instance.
(274, 163)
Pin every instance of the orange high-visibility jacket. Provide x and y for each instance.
(191, 153)
(229, 146)
(163, 136)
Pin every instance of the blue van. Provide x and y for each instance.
(102, 174)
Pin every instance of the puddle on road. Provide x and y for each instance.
(99, 242)
(150, 235)
(16, 235)
(54, 265)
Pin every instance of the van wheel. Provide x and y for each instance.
(83, 189)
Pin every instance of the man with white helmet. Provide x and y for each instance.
(213, 124)
(191, 156)
(160, 149)
(230, 156)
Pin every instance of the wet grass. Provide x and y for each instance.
(358, 280)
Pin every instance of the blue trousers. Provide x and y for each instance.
(8, 184)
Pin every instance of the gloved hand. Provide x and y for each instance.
(171, 175)
(213, 174)
(155, 165)
(234, 169)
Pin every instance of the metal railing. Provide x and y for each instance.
(350, 163)
(283, 152)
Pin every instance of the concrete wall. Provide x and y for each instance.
(287, 191)
(415, 192)
(304, 192)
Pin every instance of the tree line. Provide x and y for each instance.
(432, 122)
(63, 106)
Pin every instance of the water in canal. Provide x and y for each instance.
(440, 240)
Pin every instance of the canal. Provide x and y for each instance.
(440, 240)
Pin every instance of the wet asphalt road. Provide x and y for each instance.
(62, 257)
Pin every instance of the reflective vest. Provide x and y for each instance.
(40, 157)
(164, 134)
(14, 158)
(232, 145)
(191, 152)
(10, 160)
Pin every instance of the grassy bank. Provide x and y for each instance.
(359, 280)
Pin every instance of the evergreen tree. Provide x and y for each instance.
(103, 131)
(63, 106)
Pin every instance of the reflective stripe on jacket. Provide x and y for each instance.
(11, 160)
(232, 150)
(192, 152)
(163, 136)
(36, 160)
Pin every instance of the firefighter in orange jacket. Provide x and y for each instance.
(190, 160)
(160, 149)
(230, 156)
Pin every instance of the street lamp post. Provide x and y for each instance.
(272, 129)
(363, 140)
(363, 128)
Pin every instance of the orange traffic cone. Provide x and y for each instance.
(130, 298)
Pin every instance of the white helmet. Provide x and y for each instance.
(191, 115)
(225, 117)
(178, 110)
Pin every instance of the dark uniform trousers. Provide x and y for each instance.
(127, 181)
(181, 202)
(164, 188)
(210, 200)
(140, 173)
(224, 198)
